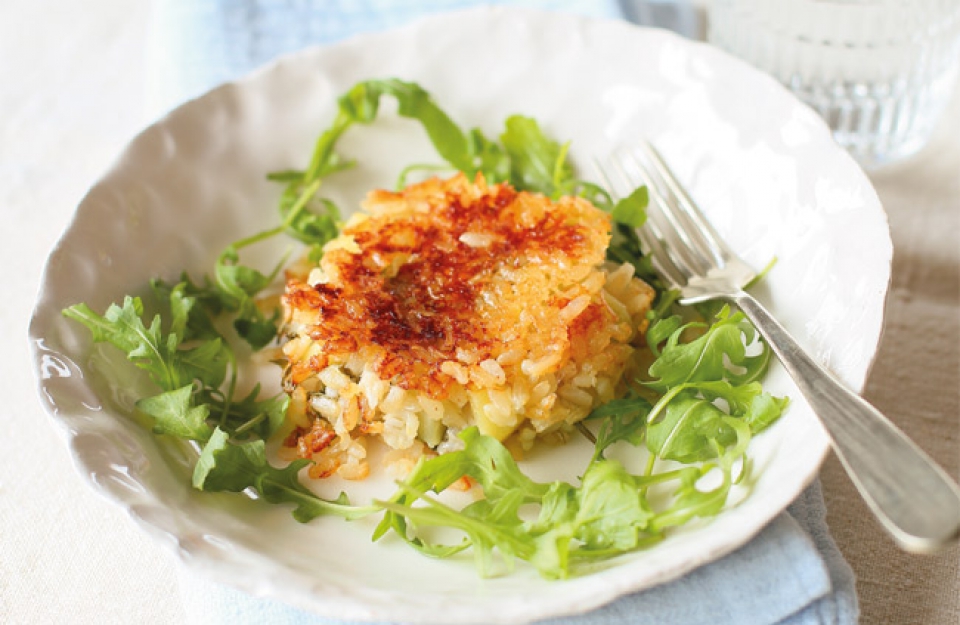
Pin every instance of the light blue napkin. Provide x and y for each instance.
(791, 573)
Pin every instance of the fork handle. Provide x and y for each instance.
(912, 497)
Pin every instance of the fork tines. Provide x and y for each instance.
(678, 238)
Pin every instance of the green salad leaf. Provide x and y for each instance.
(225, 465)
(632, 210)
(621, 420)
(716, 355)
(692, 429)
(190, 402)
(537, 163)
(147, 346)
(175, 413)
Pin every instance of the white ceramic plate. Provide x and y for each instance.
(762, 165)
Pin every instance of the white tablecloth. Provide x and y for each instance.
(72, 94)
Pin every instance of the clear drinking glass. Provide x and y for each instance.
(880, 72)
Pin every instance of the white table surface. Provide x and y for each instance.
(72, 95)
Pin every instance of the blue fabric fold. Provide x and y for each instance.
(791, 573)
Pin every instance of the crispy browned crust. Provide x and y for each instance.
(447, 265)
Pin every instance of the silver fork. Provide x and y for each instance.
(914, 499)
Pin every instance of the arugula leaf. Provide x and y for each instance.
(691, 430)
(490, 157)
(193, 307)
(286, 175)
(689, 500)
(237, 286)
(235, 467)
(625, 248)
(160, 353)
(145, 346)
(537, 163)
(200, 303)
(553, 551)
(175, 413)
(237, 283)
(361, 104)
(309, 219)
(557, 506)
(315, 220)
(256, 329)
(414, 102)
(499, 531)
(737, 396)
(207, 362)
(611, 512)
(605, 515)
(632, 210)
(488, 462)
(763, 410)
(248, 416)
(620, 420)
(525, 156)
(482, 458)
(706, 357)
(490, 524)
(660, 330)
